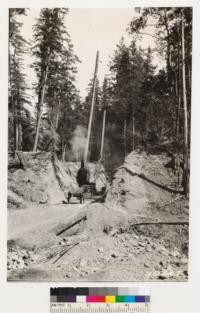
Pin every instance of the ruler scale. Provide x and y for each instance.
(99, 300)
(101, 308)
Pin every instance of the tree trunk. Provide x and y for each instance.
(15, 112)
(52, 114)
(178, 98)
(189, 76)
(18, 125)
(58, 114)
(92, 110)
(125, 131)
(133, 129)
(185, 171)
(168, 45)
(20, 134)
(21, 159)
(63, 152)
(16, 128)
(178, 118)
(40, 106)
(103, 134)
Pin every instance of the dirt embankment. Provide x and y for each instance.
(46, 180)
(140, 232)
(37, 184)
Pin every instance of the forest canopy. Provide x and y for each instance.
(140, 107)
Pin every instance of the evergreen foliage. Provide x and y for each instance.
(143, 108)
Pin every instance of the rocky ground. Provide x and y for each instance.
(140, 232)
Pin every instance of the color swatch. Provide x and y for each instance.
(98, 295)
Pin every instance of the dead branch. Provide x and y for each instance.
(59, 250)
(65, 251)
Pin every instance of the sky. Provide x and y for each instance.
(91, 30)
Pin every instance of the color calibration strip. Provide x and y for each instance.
(100, 300)
(99, 295)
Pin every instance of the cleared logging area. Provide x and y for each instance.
(139, 222)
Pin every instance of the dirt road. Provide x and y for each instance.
(28, 227)
(96, 251)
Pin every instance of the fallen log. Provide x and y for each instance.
(34, 153)
(161, 223)
(166, 188)
(124, 229)
(26, 152)
(72, 223)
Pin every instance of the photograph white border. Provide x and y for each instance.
(22, 297)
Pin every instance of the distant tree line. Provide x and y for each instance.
(143, 108)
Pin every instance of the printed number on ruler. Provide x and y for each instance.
(100, 308)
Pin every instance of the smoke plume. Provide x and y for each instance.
(78, 142)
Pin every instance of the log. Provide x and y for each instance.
(91, 110)
(33, 153)
(26, 152)
(116, 231)
(171, 190)
(72, 223)
(162, 223)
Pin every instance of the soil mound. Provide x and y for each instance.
(37, 183)
(142, 182)
(46, 180)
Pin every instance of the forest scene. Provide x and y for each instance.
(130, 130)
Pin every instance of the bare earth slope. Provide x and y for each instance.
(140, 232)
(38, 183)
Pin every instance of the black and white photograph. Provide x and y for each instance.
(99, 124)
